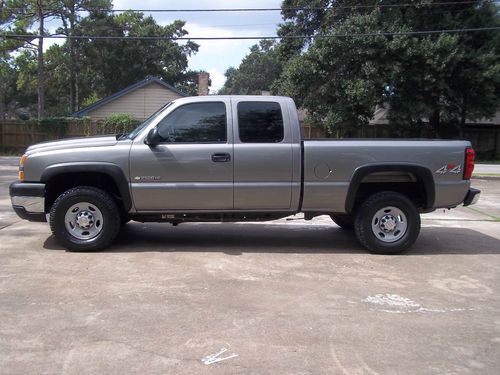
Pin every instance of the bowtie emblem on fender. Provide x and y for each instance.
(450, 168)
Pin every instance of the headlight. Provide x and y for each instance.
(21, 167)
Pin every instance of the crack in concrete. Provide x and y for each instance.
(484, 213)
(8, 225)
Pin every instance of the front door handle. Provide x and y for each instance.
(221, 157)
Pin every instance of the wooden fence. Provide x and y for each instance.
(17, 135)
(20, 134)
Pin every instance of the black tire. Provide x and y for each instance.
(368, 216)
(109, 219)
(344, 221)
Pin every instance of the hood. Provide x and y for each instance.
(106, 140)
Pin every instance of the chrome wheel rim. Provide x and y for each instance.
(389, 224)
(83, 221)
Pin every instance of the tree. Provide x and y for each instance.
(444, 77)
(10, 25)
(115, 64)
(65, 76)
(69, 13)
(257, 72)
(187, 82)
(7, 85)
(25, 68)
(22, 15)
(39, 11)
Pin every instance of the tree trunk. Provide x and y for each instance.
(463, 117)
(72, 93)
(2, 104)
(72, 64)
(68, 31)
(77, 94)
(40, 68)
(434, 122)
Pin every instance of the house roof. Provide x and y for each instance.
(148, 80)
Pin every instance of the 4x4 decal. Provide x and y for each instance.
(450, 168)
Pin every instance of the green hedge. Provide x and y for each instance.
(117, 123)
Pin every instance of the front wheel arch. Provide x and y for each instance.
(77, 174)
(69, 203)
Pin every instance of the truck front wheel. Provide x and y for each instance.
(85, 218)
(387, 223)
(344, 221)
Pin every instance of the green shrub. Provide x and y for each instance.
(118, 123)
(488, 155)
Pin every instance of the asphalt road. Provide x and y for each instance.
(285, 297)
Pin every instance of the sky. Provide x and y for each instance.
(215, 56)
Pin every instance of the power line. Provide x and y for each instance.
(401, 5)
(245, 25)
(317, 36)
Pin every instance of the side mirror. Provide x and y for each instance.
(153, 138)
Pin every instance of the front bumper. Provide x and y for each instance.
(28, 200)
(472, 196)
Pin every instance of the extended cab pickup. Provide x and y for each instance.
(238, 158)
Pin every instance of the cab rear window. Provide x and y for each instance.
(260, 122)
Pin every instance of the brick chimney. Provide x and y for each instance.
(203, 78)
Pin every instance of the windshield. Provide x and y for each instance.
(146, 122)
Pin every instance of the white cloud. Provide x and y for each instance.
(217, 79)
(215, 56)
(221, 49)
(47, 43)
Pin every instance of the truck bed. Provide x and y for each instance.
(330, 164)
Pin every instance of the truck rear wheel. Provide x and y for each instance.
(85, 218)
(387, 223)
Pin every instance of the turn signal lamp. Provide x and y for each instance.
(21, 167)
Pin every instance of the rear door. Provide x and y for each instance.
(192, 168)
(263, 155)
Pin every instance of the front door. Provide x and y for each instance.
(192, 168)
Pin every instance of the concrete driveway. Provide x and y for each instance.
(284, 297)
(487, 169)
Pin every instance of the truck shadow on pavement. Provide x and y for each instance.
(235, 239)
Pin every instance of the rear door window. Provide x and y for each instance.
(260, 122)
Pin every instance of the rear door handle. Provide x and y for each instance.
(221, 157)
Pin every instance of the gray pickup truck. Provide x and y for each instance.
(238, 158)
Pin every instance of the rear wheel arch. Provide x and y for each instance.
(422, 175)
(387, 223)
